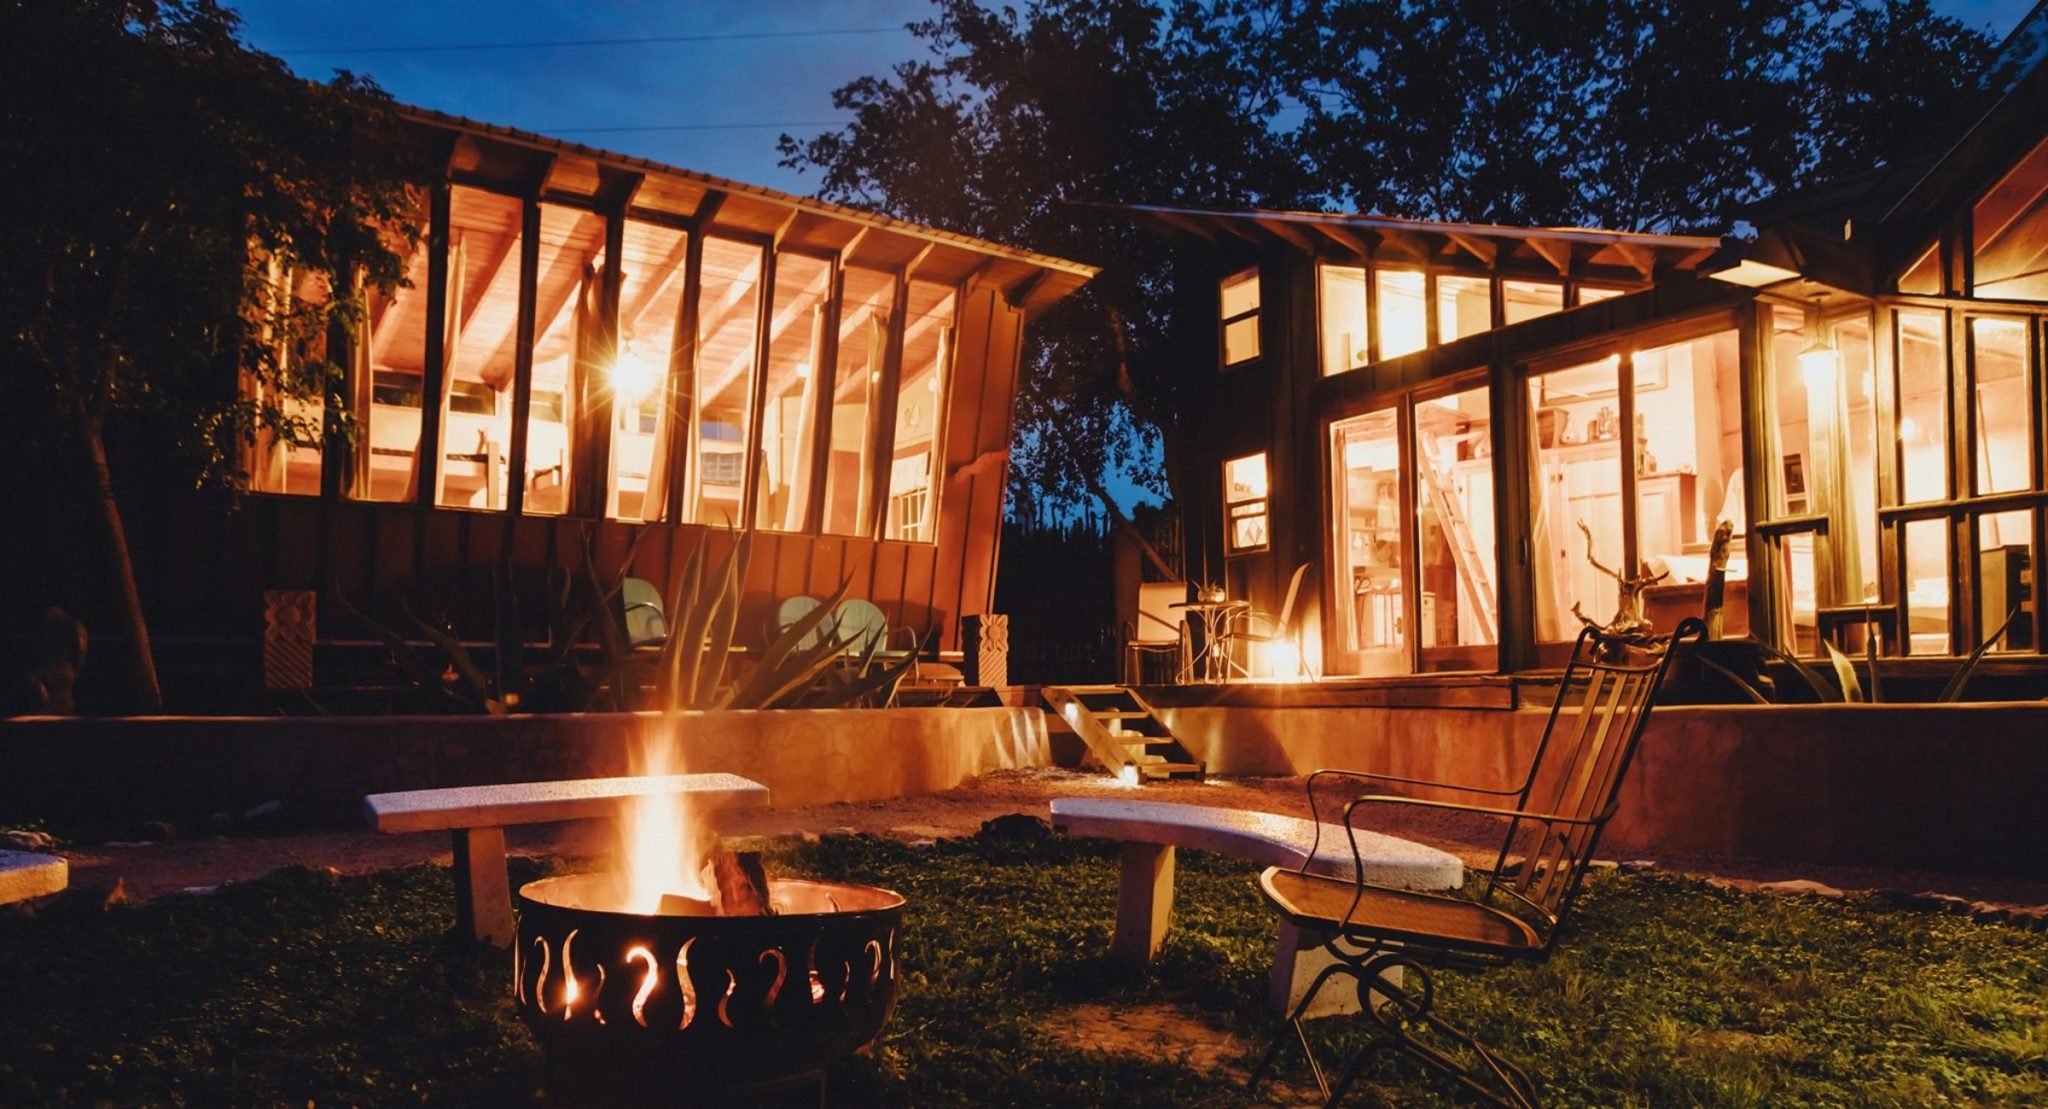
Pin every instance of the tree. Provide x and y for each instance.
(1660, 115)
(161, 178)
(1018, 122)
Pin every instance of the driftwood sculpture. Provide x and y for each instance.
(1629, 623)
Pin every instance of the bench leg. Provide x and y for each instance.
(1144, 902)
(483, 892)
(1297, 959)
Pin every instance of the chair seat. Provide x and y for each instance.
(1403, 916)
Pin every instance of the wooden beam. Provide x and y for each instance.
(1555, 252)
(1183, 223)
(918, 259)
(782, 229)
(852, 245)
(1642, 258)
(1483, 249)
(1021, 295)
(1279, 228)
(707, 210)
(1344, 236)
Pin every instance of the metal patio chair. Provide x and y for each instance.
(1388, 941)
(1160, 628)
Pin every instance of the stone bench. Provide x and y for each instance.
(27, 874)
(479, 815)
(1150, 830)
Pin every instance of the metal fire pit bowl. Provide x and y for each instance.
(632, 1007)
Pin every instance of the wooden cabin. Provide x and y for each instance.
(1460, 429)
(590, 343)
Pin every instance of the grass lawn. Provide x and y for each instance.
(305, 988)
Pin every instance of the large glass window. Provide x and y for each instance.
(728, 326)
(1922, 358)
(643, 416)
(1369, 540)
(789, 409)
(1576, 527)
(1403, 313)
(2010, 228)
(287, 459)
(1240, 315)
(1464, 306)
(390, 363)
(867, 299)
(2001, 392)
(2005, 557)
(1688, 448)
(1345, 344)
(1925, 546)
(920, 404)
(565, 351)
(1859, 382)
(1454, 499)
(1526, 300)
(481, 350)
(1244, 503)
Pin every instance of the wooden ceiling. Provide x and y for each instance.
(523, 163)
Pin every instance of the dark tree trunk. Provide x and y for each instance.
(139, 662)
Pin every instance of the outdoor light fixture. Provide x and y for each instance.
(634, 378)
(1820, 363)
(1753, 274)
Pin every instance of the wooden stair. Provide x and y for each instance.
(1121, 730)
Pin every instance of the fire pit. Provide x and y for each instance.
(633, 1006)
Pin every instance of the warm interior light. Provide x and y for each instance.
(1753, 274)
(1280, 660)
(1128, 776)
(803, 371)
(634, 377)
(1821, 364)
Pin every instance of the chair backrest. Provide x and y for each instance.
(1158, 620)
(1603, 702)
(861, 624)
(793, 609)
(645, 621)
(1293, 594)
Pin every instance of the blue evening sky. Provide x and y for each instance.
(715, 105)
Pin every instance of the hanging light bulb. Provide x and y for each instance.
(1820, 363)
(634, 377)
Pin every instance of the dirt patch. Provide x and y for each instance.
(1162, 1032)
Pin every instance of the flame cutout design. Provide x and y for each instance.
(731, 983)
(597, 993)
(569, 989)
(781, 972)
(689, 988)
(540, 993)
(518, 977)
(817, 983)
(647, 983)
(846, 983)
(875, 975)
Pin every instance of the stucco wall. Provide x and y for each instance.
(1953, 787)
(112, 773)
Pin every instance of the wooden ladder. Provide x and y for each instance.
(1121, 730)
(1464, 552)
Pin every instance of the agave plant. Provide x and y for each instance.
(805, 665)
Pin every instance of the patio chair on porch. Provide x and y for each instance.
(1159, 629)
(1263, 627)
(1388, 941)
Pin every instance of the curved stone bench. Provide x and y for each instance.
(479, 815)
(1150, 830)
(26, 874)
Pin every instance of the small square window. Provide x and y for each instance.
(1244, 502)
(1240, 317)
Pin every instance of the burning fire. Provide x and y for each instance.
(663, 847)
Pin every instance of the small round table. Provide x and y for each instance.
(1213, 662)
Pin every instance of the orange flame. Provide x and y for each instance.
(659, 839)
(571, 990)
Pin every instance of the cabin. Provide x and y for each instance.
(594, 350)
(1465, 431)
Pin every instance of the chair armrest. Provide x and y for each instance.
(1483, 810)
(1369, 776)
(643, 604)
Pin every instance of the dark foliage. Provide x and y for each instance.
(1663, 115)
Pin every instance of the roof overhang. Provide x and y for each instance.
(1625, 256)
(530, 164)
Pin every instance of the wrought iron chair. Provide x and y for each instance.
(1388, 941)
(1259, 627)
